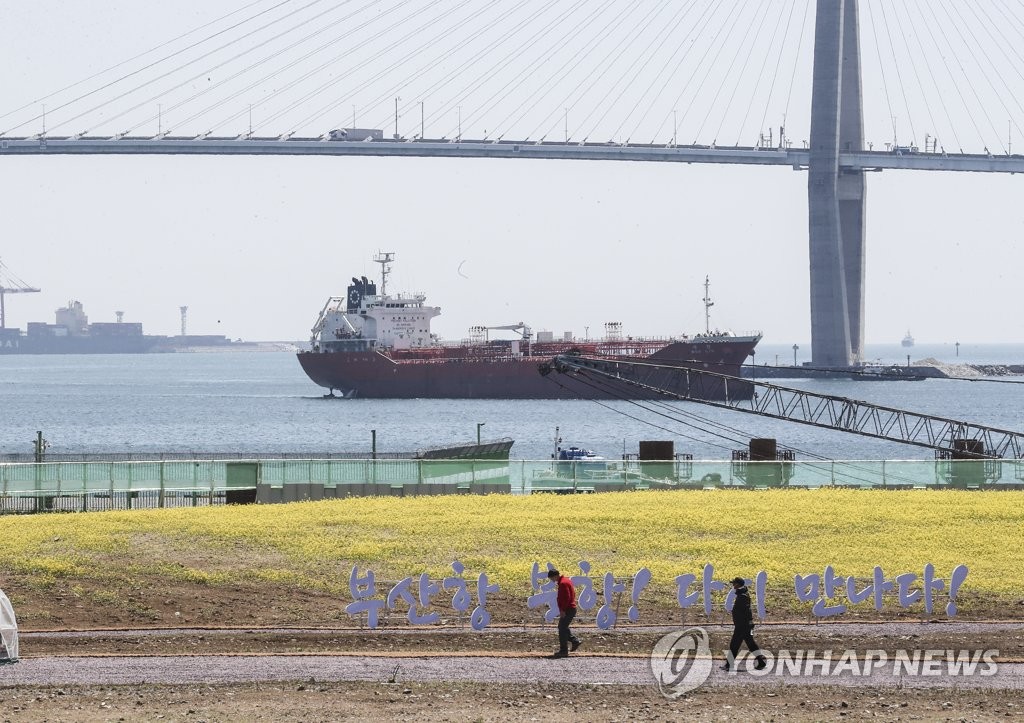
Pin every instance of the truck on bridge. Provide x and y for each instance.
(356, 134)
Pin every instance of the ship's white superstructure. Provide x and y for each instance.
(365, 319)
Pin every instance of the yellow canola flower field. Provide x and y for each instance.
(783, 532)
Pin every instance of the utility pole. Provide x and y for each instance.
(40, 446)
(396, 117)
(422, 124)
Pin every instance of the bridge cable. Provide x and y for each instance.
(999, 75)
(429, 43)
(1008, 42)
(881, 66)
(143, 54)
(796, 61)
(499, 66)
(370, 61)
(899, 75)
(570, 65)
(660, 38)
(590, 79)
(435, 62)
(278, 92)
(176, 69)
(938, 91)
(254, 65)
(527, 73)
(681, 45)
(570, 103)
(443, 58)
(1011, 16)
(728, 71)
(634, 35)
(985, 75)
(775, 75)
(503, 62)
(913, 65)
(711, 44)
(502, 127)
(706, 16)
(678, 18)
(742, 73)
(949, 71)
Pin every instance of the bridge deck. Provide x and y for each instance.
(466, 148)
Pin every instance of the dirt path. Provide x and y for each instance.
(583, 669)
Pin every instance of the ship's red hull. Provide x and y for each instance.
(374, 375)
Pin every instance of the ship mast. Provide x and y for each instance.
(384, 258)
(708, 303)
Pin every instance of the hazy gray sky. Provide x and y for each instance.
(255, 245)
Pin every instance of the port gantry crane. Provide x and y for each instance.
(949, 437)
(17, 287)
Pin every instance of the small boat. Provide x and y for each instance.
(908, 340)
(574, 469)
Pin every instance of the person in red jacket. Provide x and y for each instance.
(566, 612)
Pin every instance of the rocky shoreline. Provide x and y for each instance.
(928, 368)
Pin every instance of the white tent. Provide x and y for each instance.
(8, 631)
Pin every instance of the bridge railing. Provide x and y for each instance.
(90, 486)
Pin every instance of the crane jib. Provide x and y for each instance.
(796, 405)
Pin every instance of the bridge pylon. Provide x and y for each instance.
(836, 197)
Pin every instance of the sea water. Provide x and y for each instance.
(263, 402)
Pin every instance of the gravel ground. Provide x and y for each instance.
(855, 628)
(441, 668)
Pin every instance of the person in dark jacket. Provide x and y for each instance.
(566, 601)
(743, 627)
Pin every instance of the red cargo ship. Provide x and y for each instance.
(379, 346)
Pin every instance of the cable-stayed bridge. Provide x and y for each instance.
(613, 80)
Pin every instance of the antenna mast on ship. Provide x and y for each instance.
(384, 258)
(708, 303)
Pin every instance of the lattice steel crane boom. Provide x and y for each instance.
(11, 284)
(965, 439)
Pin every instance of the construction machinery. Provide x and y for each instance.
(11, 284)
(950, 438)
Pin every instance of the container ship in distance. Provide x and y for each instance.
(74, 334)
(374, 345)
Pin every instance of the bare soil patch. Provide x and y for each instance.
(312, 701)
